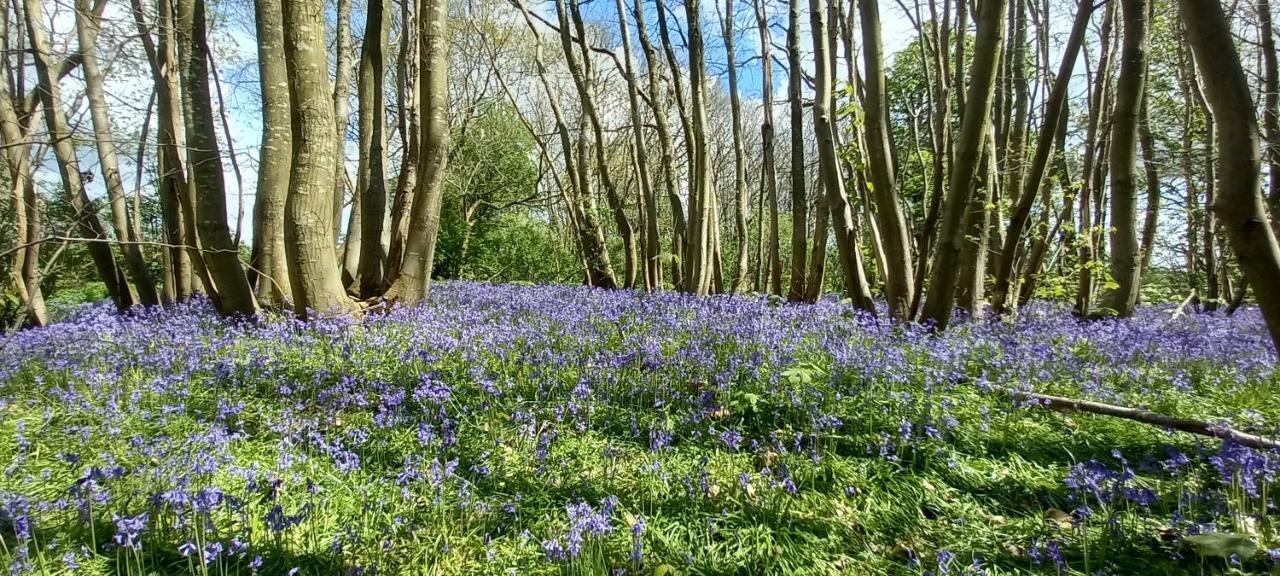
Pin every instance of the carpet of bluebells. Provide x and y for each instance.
(560, 430)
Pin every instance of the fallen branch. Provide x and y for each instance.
(1062, 404)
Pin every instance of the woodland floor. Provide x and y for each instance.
(562, 430)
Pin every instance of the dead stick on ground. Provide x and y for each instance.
(1062, 404)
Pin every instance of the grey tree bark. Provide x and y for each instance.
(308, 223)
(274, 158)
(371, 184)
(799, 196)
(221, 258)
(892, 224)
(1125, 251)
(1055, 113)
(88, 22)
(424, 223)
(68, 164)
(974, 126)
(1239, 201)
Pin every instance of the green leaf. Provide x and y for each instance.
(1222, 545)
(665, 570)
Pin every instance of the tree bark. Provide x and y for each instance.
(850, 252)
(407, 76)
(1098, 103)
(308, 224)
(372, 184)
(1271, 106)
(739, 279)
(341, 113)
(657, 101)
(221, 258)
(892, 225)
(1239, 202)
(424, 224)
(699, 269)
(274, 158)
(974, 126)
(799, 196)
(651, 245)
(88, 22)
(1125, 250)
(1055, 113)
(68, 164)
(1151, 220)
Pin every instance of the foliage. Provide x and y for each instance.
(558, 430)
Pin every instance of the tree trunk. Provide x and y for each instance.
(1125, 250)
(799, 197)
(308, 224)
(1090, 191)
(818, 250)
(1271, 106)
(651, 244)
(341, 113)
(1151, 219)
(221, 258)
(68, 164)
(850, 252)
(892, 224)
(580, 202)
(182, 255)
(582, 71)
(974, 126)
(739, 157)
(701, 176)
(274, 158)
(1055, 115)
(771, 261)
(372, 187)
(1239, 203)
(407, 76)
(424, 223)
(657, 101)
(87, 25)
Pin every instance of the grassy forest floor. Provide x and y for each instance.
(560, 430)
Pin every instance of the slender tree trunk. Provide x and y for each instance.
(738, 283)
(657, 101)
(850, 253)
(799, 196)
(68, 164)
(701, 176)
(818, 249)
(1055, 115)
(415, 276)
(582, 71)
(940, 129)
(974, 126)
(1125, 250)
(1271, 106)
(771, 263)
(182, 255)
(1151, 219)
(274, 158)
(341, 114)
(970, 289)
(87, 26)
(651, 243)
(892, 225)
(1090, 192)
(372, 188)
(308, 224)
(221, 257)
(1208, 220)
(1240, 201)
(580, 202)
(407, 72)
